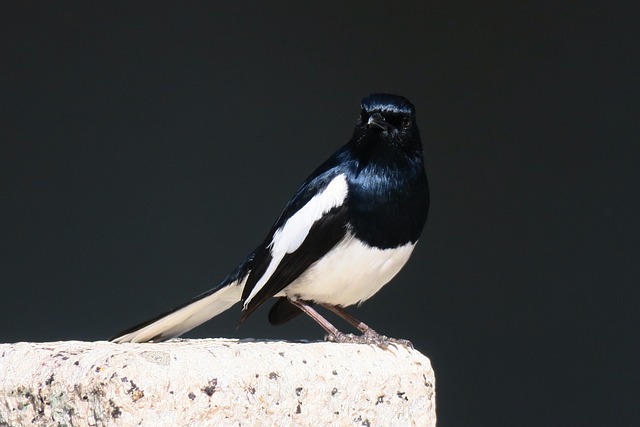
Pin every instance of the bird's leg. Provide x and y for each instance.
(324, 323)
(361, 326)
(369, 336)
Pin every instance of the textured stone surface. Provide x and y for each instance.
(214, 382)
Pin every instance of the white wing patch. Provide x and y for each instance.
(288, 238)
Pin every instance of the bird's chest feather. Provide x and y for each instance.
(388, 206)
(350, 273)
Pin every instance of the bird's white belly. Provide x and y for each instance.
(350, 273)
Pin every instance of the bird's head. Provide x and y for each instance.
(389, 118)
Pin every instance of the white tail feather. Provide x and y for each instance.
(188, 317)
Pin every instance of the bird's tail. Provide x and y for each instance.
(187, 316)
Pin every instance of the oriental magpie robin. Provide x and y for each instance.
(348, 231)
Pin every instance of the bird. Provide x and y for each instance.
(348, 230)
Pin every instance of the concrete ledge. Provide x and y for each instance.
(214, 382)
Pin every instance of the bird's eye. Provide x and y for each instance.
(364, 117)
(406, 122)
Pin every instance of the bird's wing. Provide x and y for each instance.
(310, 226)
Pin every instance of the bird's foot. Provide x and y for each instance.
(369, 337)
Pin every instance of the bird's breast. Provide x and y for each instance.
(349, 274)
(388, 208)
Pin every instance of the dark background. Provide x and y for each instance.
(145, 150)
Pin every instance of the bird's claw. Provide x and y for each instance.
(369, 337)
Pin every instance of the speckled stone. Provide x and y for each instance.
(215, 382)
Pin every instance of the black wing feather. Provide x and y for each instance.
(322, 237)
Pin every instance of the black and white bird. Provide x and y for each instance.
(347, 232)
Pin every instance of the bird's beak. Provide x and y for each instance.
(378, 121)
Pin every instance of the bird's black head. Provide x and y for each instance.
(389, 118)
